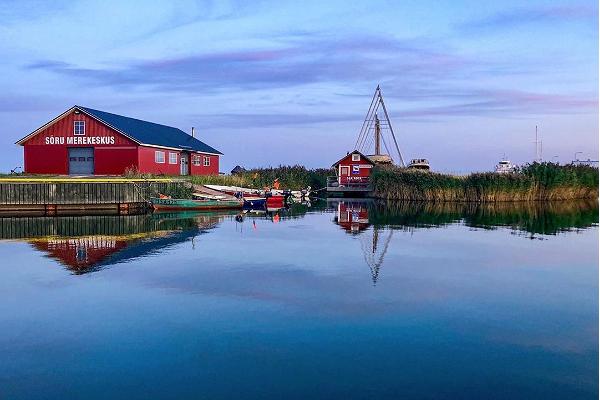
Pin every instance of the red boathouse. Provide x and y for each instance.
(83, 141)
(352, 173)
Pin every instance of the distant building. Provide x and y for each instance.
(237, 170)
(83, 141)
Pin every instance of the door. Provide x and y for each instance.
(184, 164)
(344, 173)
(81, 161)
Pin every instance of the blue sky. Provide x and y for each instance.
(276, 82)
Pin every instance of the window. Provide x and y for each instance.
(159, 157)
(196, 160)
(355, 169)
(206, 161)
(172, 158)
(79, 128)
(355, 157)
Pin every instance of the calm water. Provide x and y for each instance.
(349, 301)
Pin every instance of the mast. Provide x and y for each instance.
(377, 136)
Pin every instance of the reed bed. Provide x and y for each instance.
(537, 181)
(294, 177)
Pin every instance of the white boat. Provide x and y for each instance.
(420, 164)
(504, 166)
(298, 194)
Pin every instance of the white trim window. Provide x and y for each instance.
(159, 157)
(355, 157)
(206, 161)
(172, 158)
(79, 128)
(196, 161)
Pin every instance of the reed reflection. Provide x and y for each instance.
(374, 222)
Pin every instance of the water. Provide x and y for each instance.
(349, 300)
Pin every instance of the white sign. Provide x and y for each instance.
(80, 140)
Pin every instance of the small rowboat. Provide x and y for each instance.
(167, 204)
(254, 203)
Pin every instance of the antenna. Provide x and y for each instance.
(538, 146)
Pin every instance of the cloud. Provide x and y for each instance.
(294, 63)
(253, 120)
(509, 102)
(416, 71)
(526, 16)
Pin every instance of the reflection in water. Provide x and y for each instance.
(457, 312)
(356, 215)
(87, 243)
(353, 216)
(543, 218)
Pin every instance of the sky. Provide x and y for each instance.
(278, 82)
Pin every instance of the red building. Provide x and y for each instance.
(83, 141)
(353, 170)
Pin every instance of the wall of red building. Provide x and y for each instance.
(42, 157)
(148, 165)
(213, 169)
(364, 171)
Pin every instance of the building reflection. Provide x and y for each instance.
(87, 243)
(374, 222)
(352, 215)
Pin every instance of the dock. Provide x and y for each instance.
(352, 189)
(42, 196)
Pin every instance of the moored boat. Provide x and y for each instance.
(167, 204)
(504, 166)
(254, 202)
(421, 164)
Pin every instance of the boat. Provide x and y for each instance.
(254, 202)
(420, 164)
(168, 204)
(297, 194)
(504, 166)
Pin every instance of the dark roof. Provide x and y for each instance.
(145, 132)
(237, 169)
(353, 152)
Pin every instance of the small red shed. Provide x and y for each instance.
(84, 141)
(354, 169)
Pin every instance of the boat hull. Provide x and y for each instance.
(188, 204)
(255, 203)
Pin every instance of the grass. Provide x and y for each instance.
(537, 181)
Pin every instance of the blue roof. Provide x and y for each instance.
(146, 132)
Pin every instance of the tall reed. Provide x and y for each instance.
(537, 181)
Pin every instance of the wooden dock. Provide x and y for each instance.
(79, 196)
(359, 189)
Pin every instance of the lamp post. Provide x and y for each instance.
(575, 156)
